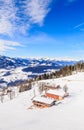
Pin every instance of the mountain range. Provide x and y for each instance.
(14, 70)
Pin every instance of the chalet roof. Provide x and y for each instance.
(56, 92)
(43, 100)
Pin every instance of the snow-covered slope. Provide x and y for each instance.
(15, 115)
(12, 76)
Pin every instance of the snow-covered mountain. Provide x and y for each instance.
(8, 63)
(13, 70)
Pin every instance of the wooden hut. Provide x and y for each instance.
(55, 94)
(42, 102)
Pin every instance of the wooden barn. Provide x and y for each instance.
(43, 102)
(55, 94)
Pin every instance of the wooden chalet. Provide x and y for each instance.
(55, 94)
(43, 102)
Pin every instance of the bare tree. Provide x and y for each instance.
(34, 93)
(11, 95)
(65, 88)
(41, 88)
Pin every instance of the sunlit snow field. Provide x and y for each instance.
(69, 115)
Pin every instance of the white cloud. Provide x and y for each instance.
(79, 25)
(37, 10)
(19, 17)
(8, 45)
(7, 16)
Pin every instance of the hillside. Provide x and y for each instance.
(15, 115)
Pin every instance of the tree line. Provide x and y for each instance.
(65, 71)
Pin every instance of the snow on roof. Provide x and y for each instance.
(56, 92)
(43, 100)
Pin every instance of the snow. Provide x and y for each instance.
(3, 84)
(15, 74)
(43, 100)
(68, 115)
(56, 92)
(51, 70)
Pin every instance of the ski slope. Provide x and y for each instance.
(15, 115)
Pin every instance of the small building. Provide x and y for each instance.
(55, 94)
(49, 87)
(43, 102)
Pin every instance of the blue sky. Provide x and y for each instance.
(42, 28)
